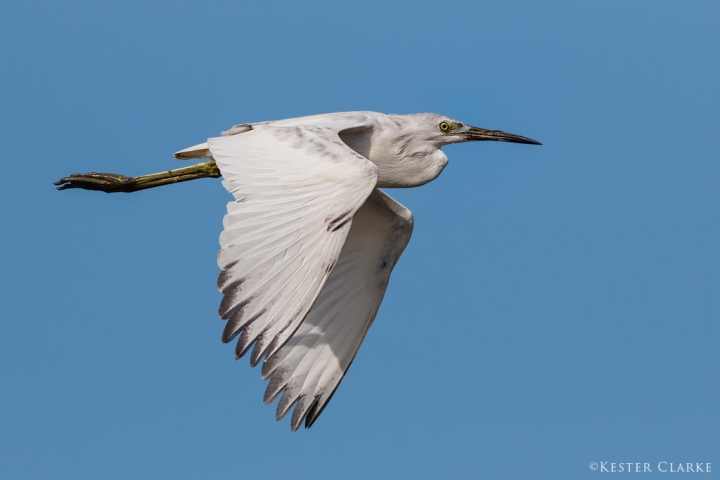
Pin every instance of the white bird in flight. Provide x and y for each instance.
(309, 240)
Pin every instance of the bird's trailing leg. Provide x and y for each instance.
(111, 182)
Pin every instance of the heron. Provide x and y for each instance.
(310, 238)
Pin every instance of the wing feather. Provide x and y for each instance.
(296, 190)
(309, 367)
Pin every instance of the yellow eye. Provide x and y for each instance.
(444, 126)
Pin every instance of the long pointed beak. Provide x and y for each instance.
(479, 134)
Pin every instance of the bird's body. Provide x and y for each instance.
(391, 142)
(309, 240)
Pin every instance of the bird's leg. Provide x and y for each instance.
(111, 182)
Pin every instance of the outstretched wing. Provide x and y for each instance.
(310, 366)
(296, 192)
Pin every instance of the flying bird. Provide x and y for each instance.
(309, 238)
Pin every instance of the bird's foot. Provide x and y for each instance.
(106, 182)
(112, 182)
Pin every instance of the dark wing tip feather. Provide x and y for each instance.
(258, 350)
(224, 280)
(275, 386)
(318, 407)
(246, 340)
(229, 305)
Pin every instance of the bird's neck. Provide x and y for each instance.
(409, 168)
(402, 159)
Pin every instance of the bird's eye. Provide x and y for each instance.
(444, 126)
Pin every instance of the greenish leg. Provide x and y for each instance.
(111, 182)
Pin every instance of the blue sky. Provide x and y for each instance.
(556, 306)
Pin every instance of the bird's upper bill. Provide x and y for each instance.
(470, 134)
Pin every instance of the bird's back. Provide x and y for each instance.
(394, 143)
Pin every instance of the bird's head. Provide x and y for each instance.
(407, 149)
(442, 130)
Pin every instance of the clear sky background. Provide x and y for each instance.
(556, 306)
